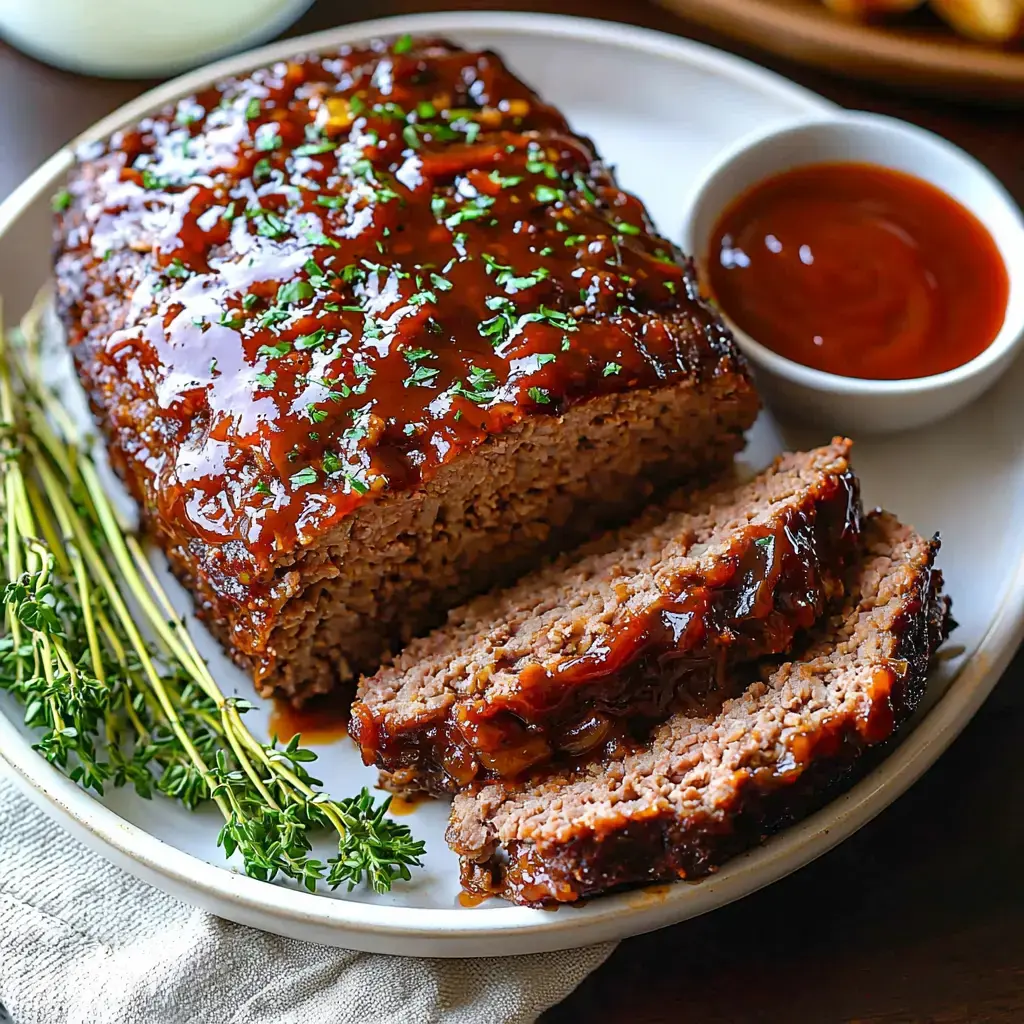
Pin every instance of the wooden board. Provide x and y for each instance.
(917, 51)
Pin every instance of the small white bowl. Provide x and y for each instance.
(850, 404)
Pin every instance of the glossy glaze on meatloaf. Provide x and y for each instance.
(574, 657)
(705, 787)
(368, 333)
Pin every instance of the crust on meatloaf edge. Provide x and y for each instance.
(704, 789)
(598, 644)
(371, 332)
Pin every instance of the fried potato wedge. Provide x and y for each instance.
(989, 21)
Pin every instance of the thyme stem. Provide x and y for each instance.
(114, 708)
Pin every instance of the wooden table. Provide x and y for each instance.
(920, 916)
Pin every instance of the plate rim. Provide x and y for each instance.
(379, 927)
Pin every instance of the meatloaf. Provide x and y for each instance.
(705, 787)
(370, 332)
(573, 655)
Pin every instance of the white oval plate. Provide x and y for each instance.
(659, 108)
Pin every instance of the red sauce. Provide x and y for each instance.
(403, 805)
(319, 721)
(472, 899)
(860, 271)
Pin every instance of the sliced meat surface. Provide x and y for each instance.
(599, 645)
(707, 786)
(372, 331)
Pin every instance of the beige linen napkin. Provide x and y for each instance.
(81, 942)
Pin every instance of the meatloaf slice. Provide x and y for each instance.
(705, 787)
(368, 333)
(571, 655)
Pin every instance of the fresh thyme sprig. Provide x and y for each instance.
(119, 708)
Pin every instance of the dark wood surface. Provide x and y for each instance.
(920, 916)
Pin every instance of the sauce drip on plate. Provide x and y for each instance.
(860, 271)
(319, 721)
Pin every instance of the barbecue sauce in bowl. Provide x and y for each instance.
(860, 271)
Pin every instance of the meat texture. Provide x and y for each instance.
(597, 646)
(705, 787)
(369, 333)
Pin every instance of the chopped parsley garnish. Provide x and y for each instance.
(545, 167)
(356, 105)
(403, 44)
(249, 301)
(154, 181)
(282, 348)
(267, 380)
(610, 369)
(332, 202)
(294, 291)
(317, 277)
(472, 131)
(61, 201)
(252, 109)
(584, 188)
(410, 137)
(546, 357)
(262, 487)
(547, 194)
(229, 320)
(316, 237)
(437, 205)
(421, 375)
(574, 239)
(507, 278)
(310, 341)
(425, 110)
(262, 170)
(440, 283)
(330, 462)
(473, 209)
(304, 477)
(270, 224)
(274, 315)
(188, 115)
(480, 386)
(539, 395)
(315, 414)
(177, 269)
(389, 111)
(626, 229)
(313, 148)
(415, 355)
(267, 138)
(509, 182)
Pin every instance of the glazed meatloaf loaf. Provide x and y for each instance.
(574, 655)
(705, 787)
(368, 333)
